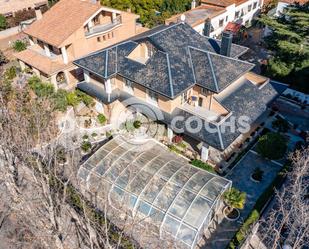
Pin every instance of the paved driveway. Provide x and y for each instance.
(240, 176)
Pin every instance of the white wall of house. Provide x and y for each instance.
(280, 8)
(230, 16)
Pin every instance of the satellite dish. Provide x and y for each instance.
(183, 18)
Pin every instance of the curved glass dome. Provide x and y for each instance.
(149, 181)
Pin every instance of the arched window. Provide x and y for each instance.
(60, 78)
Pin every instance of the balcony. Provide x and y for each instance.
(215, 114)
(103, 28)
(38, 49)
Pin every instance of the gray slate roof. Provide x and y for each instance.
(183, 58)
(246, 100)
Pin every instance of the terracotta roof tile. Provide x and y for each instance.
(221, 3)
(62, 20)
(43, 63)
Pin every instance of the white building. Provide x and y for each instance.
(220, 13)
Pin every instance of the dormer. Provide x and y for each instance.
(143, 52)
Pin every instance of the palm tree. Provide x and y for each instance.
(234, 198)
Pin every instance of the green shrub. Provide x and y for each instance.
(3, 22)
(272, 146)
(109, 134)
(202, 165)
(41, 89)
(234, 198)
(94, 134)
(137, 124)
(86, 146)
(19, 46)
(245, 228)
(73, 99)
(85, 98)
(101, 118)
(10, 73)
(60, 100)
(85, 137)
(174, 148)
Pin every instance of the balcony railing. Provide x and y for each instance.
(37, 49)
(104, 27)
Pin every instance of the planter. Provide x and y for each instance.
(231, 215)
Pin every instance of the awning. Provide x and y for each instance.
(233, 27)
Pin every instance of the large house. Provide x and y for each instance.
(69, 30)
(180, 73)
(213, 17)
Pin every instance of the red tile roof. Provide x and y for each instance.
(62, 20)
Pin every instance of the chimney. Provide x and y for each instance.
(38, 13)
(193, 4)
(207, 27)
(182, 18)
(226, 43)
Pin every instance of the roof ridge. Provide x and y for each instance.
(192, 67)
(170, 75)
(213, 72)
(167, 27)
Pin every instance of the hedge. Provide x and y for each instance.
(202, 165)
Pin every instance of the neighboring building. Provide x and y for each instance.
(10, 7)
(179, 72)
(283, 4)
(69, 30)
(155, 195)
(212, 17)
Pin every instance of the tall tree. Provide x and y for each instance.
(289, 43)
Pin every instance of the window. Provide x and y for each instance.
(249, 7)
(96, 20)
(226, 18)
(242, 13)
(236, 14)
(112, 34)
(204, 91)
(221, 22)
(104, 37)
(152, 97)
(254, 5)
(99, 39)
(128, 86)
(184, 97)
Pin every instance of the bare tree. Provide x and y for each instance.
(286, 223)
(38, 195)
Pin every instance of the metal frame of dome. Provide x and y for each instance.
(155, 181)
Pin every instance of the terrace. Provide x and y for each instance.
(101, 28)
(211, 110)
